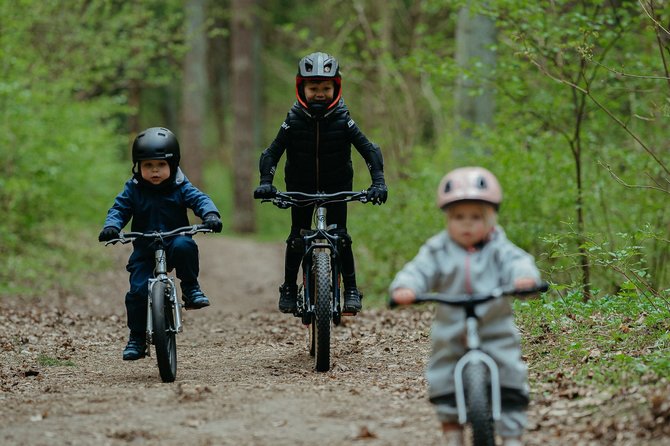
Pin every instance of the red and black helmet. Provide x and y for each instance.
(318, 67)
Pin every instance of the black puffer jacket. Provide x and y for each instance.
(318, 151)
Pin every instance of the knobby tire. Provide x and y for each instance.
(477, 388)
(323, 312)
(164, 333)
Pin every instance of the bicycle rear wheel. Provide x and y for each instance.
(477, 389)
(323, 311)
(164, 331)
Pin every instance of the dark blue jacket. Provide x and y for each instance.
(158, 209)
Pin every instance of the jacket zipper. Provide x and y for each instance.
(468, 281)
(317, 157)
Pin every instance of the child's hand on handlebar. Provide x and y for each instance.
(525, 283)
(265, 190)
(403, 296)
(213, 221)
(108, 233)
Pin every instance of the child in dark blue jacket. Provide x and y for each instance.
(156, 198)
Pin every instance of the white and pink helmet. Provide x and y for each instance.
(469, 184)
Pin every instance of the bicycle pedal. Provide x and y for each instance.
(350, 313)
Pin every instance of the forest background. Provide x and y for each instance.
(566, 102)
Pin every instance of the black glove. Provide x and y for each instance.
(213, 222)
(108, 233)
(377, 193)
(265, 190)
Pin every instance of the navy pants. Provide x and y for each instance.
(182, 255)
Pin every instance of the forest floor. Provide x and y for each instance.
(245, 376)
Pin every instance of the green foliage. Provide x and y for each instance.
(608, 340)
(47, 361)
(60, 168)
(386, 237)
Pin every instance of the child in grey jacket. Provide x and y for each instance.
(472, 256)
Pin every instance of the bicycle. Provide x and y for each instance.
(319, 294)
(163, 308)
(476, 372)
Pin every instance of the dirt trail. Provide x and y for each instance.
(244, 376)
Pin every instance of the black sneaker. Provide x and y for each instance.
(352, 301)
(136, 348)
(194, 298)
(288, 296)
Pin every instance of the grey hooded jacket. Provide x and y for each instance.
(444, 266)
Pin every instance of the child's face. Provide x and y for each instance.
(319, 91)
(155, 171)
(469, 223)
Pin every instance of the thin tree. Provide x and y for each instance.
(243, 40)
(475, 97)
(194, 93)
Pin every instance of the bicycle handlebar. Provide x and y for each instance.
(286, 200)
(473, 299)
(127, 237)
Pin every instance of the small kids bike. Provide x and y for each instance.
(164, 309)
(476, 379)
(319, 294)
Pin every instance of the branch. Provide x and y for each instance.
(605, 109)
(653, 19)
(631, 186)
(624, 74)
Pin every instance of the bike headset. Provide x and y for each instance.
(156, 143)
(469, 184)
(318, 67)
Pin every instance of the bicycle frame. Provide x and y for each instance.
(162, 331)
(161, 275)
(473, 353)
(319, 297)
(318, 240)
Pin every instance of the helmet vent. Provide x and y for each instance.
(162, 134)
(447, 187)
(327, 68)
(309, 67)
(481, 183)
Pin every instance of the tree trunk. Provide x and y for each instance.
(243, 31)
(194, 93)
(134, 101)
(475, 94)
(219, 85)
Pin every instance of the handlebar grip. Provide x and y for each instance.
(541, 288)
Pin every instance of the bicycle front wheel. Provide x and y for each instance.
(323, 311)
(477, 388)
(164, 331)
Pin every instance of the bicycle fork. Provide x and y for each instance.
(160, 275)
(325, 246)
(474, 355)
(315, 246)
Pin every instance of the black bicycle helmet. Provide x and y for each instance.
(156, 143)
(318, 67)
